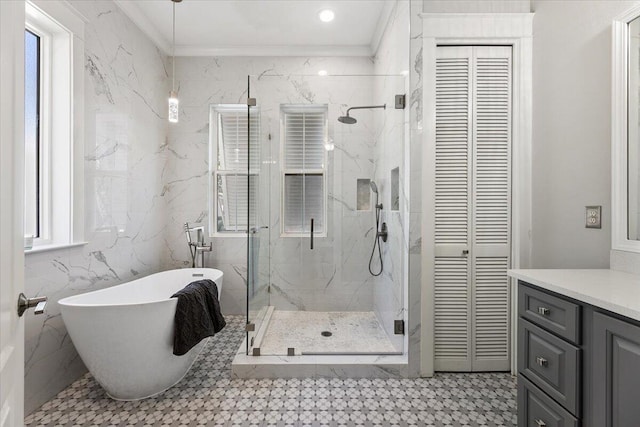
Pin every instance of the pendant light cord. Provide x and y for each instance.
(173, 51)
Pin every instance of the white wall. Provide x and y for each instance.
(125, 125)
(572, 131)
(571, 123)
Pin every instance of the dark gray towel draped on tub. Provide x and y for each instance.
(197, 315)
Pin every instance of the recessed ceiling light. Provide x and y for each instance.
(322, 73)
(326, 15)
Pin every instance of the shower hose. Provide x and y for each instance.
(376, 242)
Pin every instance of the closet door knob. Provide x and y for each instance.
(24, 303)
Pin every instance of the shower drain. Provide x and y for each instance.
(326, 333)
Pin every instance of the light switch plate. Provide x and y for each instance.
(594, 216)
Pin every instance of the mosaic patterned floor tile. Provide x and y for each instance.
(208, 396)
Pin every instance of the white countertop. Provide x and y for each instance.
(608, 289)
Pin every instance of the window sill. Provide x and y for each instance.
(299, 235)
(53, 247)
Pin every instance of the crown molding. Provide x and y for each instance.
(280, 50)
(382, 24)
(140, 19)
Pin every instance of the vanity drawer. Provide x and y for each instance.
(551, 363)
(560, 316)
(536, 409)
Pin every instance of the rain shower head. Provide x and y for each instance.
(374, 187)
(348, 120)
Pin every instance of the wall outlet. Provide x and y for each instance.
(594, 214)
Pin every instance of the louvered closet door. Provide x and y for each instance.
(472, 220)
(453, 209)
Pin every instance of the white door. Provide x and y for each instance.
(11, 234)
(472, 208)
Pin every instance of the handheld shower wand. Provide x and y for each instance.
(381, 233)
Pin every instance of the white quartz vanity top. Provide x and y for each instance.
(608, 289)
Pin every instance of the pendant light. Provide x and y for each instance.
(173, 96)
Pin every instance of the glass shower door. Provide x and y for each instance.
(258, 250)
(320, 295)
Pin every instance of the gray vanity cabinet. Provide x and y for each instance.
(549, 359)
(615, 372)
(578, 365)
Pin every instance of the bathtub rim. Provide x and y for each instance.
(68, 301)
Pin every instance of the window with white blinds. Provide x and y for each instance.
(237, 162)
(304, 132)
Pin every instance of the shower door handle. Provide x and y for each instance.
(311, 235)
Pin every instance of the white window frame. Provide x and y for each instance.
(286, 171)
(619, 134)
(214, 144)
(43, 93)
(61, 32)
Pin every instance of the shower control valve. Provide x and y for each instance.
(383, 232)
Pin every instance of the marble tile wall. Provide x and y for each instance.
(301, 279)
(413, 298)
(125, 126)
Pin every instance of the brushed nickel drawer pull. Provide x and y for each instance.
(544, 311)
(540, 423)
(541, 361)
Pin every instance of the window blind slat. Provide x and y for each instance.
(303, 200)
(304, 139)
(233, 147)
(234, 201)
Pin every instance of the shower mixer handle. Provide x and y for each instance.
(383, 232)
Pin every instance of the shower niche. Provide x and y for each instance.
(312, 229)
(395, 189)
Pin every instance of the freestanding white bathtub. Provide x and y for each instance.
(124, 334)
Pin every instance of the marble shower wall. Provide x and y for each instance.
(334, 276)
(413, 299)
(391, 151)
(126, 86)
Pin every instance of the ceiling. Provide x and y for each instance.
(263, 27)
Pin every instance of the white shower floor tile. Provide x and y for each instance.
(351, 332)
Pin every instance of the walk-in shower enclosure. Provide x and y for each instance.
(299, 181)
